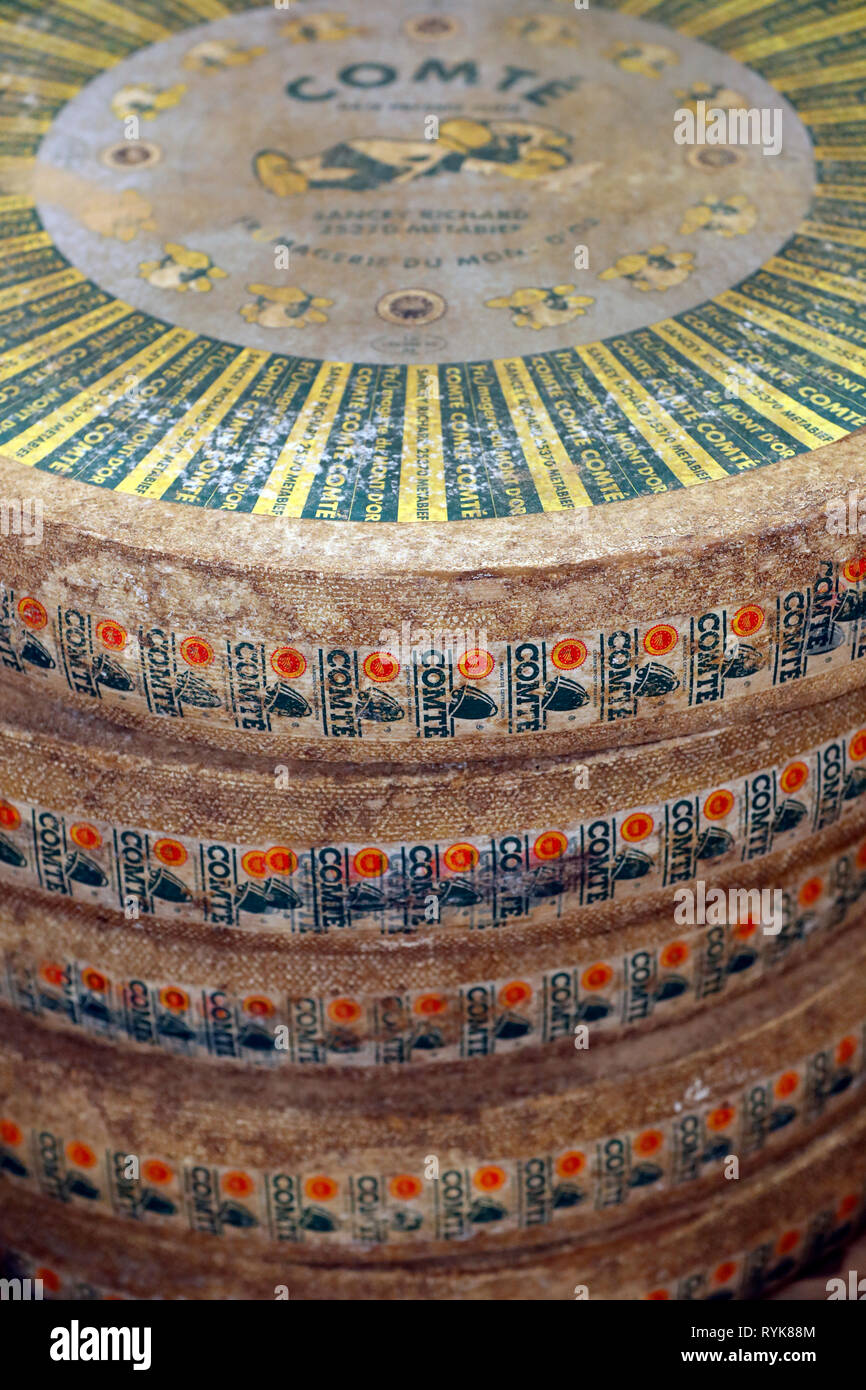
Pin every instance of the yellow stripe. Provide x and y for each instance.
(302, 452)
(810, 275)
(841, 152)
(817, 341)
(47, 345)
(824, 231)
(20, 245)
(169, 457)
(39, 41)
(422, 467)
(15, 202)
(844, 192)
(821, 77)
(636, 7)
(24, 125)
(720, 15)
(61, 424)
(686, 459)
(117, 18)
(831, 115)
(545, 453)
(208, 9)
(827, 28)
(37, 289)
(38, 86)
(774, 405)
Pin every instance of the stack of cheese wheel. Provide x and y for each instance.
(432, 769)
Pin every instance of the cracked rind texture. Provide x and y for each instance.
(350, 1163)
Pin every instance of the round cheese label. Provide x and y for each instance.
(454, 264)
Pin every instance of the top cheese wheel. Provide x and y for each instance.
(436, 382)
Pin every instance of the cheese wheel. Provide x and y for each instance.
(790, 1217)
(462, 996)
(499, 1154)
(238, 843)
(424, 408)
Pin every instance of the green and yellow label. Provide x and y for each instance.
(431, 275)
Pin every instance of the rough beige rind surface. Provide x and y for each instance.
(234, 576)
(426, 1000)
(793, 1213)
(797, 1044)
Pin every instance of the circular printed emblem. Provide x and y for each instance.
(848, 1205)
(748, 620)
(657, 1296)
(405, 1187)
(10, 1133)
(649, 1142)
(461, 858)
(95, 981)
(370, 863)
(794, 776)
(846, 1050)
(10, 816)
(255, 863)
(131, 154)
(432, 27)
(155, 1171)
(512, 995)
(719, 804)
(196, 651)
(170, 852)
(80, 1155)
(53, 974)
(439, 158)
(855, 570)
(258, 1006)
(490, 1178)
(381, 667)
(237, 1184)
(637, 826)
(568, 1165)
(344, 1011)
(85, 836)
(673, 955)
(786, 1084)
(32, 613)
(321, 1188)
(787, 1242)
(721, 1118)
(660, 639)
(810, 892)
(475, 664)
(597, 976)
(568, 654)
(428, 1005)
(411, 308)
(281, 860)
(288, 662)
(174, 999)
(551, 845)
(857, 746)
(724, 1273)
(50, 1279)
(111, 635)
